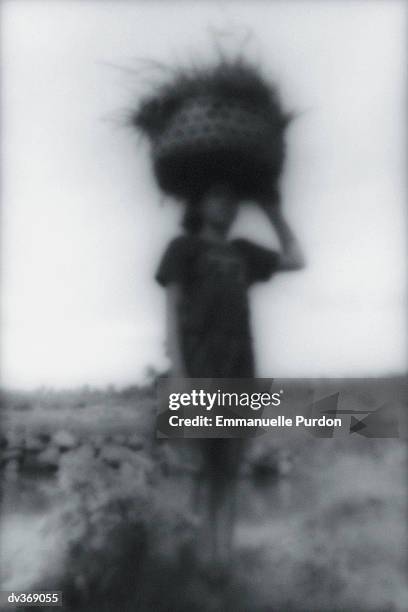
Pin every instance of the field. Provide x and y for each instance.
(95, 506)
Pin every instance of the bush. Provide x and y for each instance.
(124, 542)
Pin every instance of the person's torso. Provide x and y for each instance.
(215, 293)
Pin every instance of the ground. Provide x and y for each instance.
(328, 535)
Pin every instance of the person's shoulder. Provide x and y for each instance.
(242, 242)
(182, 242)
(181, 248)
(262, 262)
(176, 260)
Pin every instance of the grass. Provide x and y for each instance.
(331, 537)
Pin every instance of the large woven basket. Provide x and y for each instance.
(210, 140)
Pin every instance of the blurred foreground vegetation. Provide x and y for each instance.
(321, 526)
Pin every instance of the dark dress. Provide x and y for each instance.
(214, 321)
(213, 313)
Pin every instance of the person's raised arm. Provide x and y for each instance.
(291, 255)
(173, 339)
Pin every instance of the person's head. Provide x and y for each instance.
(216, 209)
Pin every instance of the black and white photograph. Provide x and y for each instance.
(200, 196)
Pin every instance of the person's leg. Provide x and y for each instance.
(236, 448)
(213, 481)
(215, 516)
(229, 519)
(197, 491)
(222, 491)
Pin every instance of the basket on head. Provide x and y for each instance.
(223, 125)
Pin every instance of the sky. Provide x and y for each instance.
(84, 224)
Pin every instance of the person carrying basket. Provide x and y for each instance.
(217, 139)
